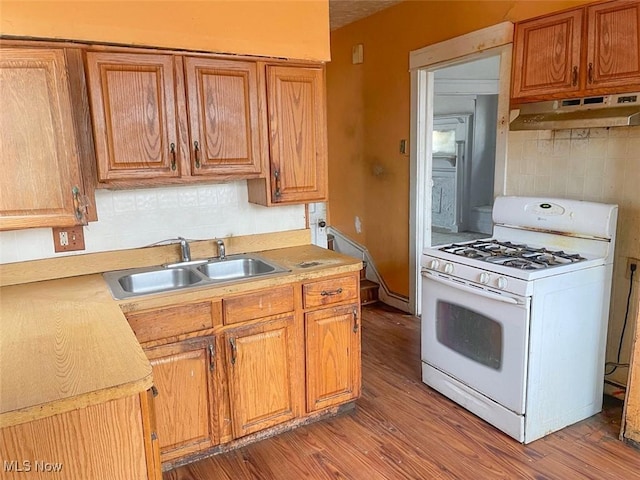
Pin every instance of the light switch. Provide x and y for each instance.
(357, 54)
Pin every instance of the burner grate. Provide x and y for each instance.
(516, 255)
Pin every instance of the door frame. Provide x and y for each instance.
(487, 42)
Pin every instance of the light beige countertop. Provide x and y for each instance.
(66, 344)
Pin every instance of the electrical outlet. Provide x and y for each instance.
(627, 272)
(68, 239)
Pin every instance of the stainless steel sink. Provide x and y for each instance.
(165, 278)
(234, 268)
(158, 280)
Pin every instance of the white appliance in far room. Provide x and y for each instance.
(514, 327)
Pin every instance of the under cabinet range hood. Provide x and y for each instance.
(589, 112)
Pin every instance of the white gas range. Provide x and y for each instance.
(514, 327)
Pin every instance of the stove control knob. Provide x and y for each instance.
(434, 264)
(448, 268)
(502, 283)
(484, 278)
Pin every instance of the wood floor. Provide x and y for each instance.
(401, 429)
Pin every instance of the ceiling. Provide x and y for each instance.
(344, 12)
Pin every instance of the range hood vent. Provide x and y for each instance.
(589, 112)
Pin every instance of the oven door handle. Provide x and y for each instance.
(467, 288)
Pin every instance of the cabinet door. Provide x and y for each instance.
(262, 371)
(223, 117)
(186, 405)
(40, 165)
(547, 55)
(333, 356)
(297, 131)
(613, 54)
(134, 115)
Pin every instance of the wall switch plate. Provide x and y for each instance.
(627, 272)
(68, 239)
(357, 54)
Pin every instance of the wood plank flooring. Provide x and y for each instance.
(402, 429)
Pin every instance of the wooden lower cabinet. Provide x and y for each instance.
(263, 373)
(187, 404)
(113, 440)
(332, 356)
(242, 370)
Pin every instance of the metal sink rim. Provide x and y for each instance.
(113, 278)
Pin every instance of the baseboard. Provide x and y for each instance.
(347, 246)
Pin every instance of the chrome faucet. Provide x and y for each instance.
(221, 251)
(185, 251)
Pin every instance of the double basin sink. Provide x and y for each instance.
(165, 278)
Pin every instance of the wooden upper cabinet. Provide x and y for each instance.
(223, 116)
(297, 137)
(613, 53)
(40, 185)
(134, 115)
(262, 368)
(547, 55)
(593, 50)
(162, 119)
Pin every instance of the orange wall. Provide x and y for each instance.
(369, 113)
(295, 29)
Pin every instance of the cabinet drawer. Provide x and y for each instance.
(326, 292)
(171, 321)
(257, 305)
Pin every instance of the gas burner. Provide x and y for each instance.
(517, 262)
(510, 254)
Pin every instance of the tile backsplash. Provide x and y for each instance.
(135, 218)
(599, 165)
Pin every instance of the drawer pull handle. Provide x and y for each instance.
(590, 73)
(234, 350)
(355, 320)
(574, 79)
(154, 391)
(212, 357)
(328, 293)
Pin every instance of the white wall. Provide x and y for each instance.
(135, 218)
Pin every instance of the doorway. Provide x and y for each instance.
(426, 65)
(465, 110)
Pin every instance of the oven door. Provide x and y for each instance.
(477, 336)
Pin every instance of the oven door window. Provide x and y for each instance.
(469, 333)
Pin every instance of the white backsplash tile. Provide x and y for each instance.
(124, 201)
(135, 218)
